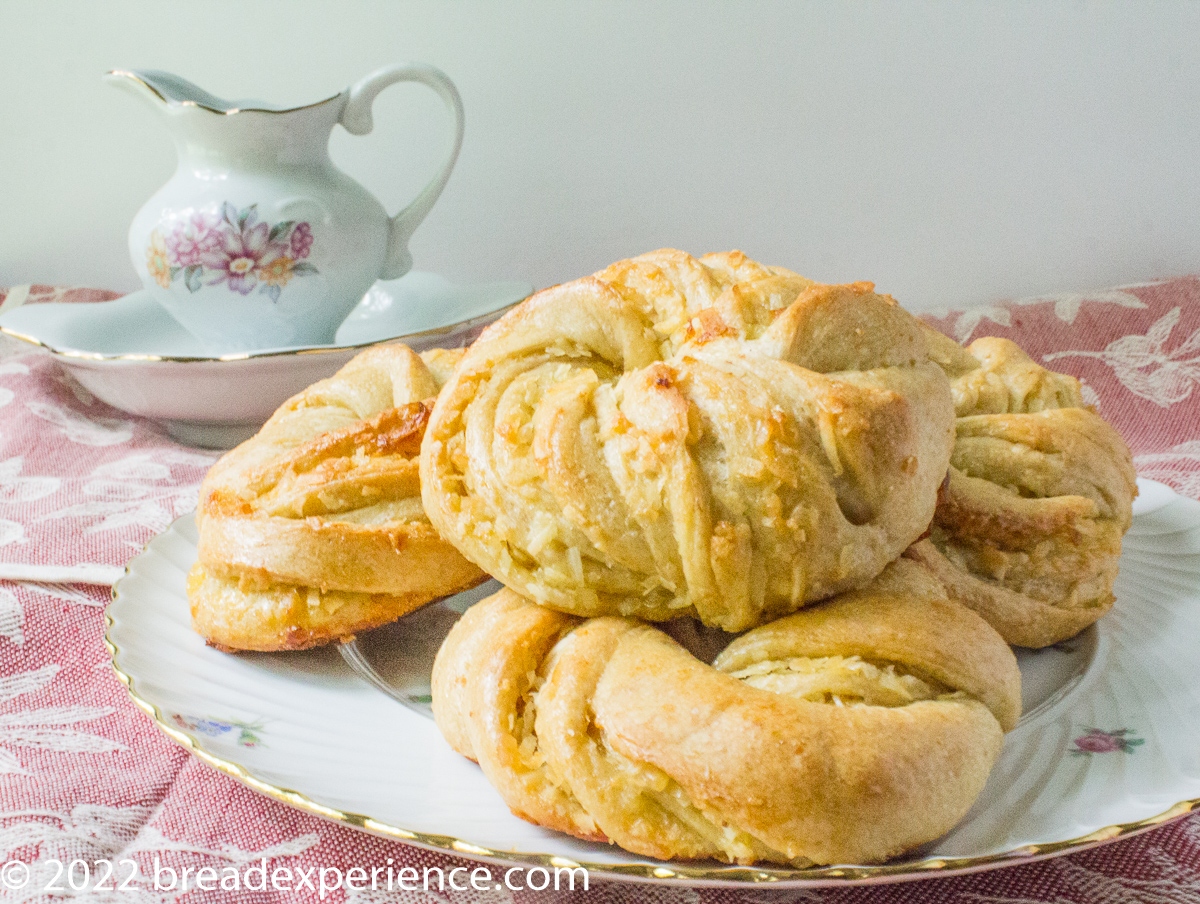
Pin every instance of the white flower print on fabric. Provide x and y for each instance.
(12, 620)
(1090, 396)
(12, 614)
(1067, 305)
(967, 321)
(14, 488)
(1178, 467)
(1172, 884)
(147, 467)
(1146, 368)
(88, 832)
(122, 837)
(10, 367)
(66, 593)
(13, 686)
(9, 764)
(1066, 308)
(139, 490)
(467, 894)
(86, 431)
(46, 728)
(11, 532)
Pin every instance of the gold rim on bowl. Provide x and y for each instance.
(431, 333)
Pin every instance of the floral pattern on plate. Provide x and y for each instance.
(245, 736)
(1097, 740)
(231, 247)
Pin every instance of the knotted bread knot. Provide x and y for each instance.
(313, 529)
(1028, 528)
(674, 436)
(850, 731)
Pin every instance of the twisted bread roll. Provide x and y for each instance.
(850, 731)
(676, 436)
(313, 529)
(1028, 530)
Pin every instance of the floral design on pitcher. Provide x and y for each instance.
(1097, 740)
(221, 728)
(231, 248)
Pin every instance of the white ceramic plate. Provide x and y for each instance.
(133, 355)
(1109, 744)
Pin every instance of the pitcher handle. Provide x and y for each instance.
(356, 118)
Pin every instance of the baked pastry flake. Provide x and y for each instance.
(313, 530)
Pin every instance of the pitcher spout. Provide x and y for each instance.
(215, 134)
(137, 84)
(161, 88)
(165, 88)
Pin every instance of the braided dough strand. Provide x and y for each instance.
(846, 732)
(676, 436)
(1028, 530)
(313, 529)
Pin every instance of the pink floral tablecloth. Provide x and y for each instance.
(84, 774)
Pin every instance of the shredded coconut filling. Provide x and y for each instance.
(838, 680)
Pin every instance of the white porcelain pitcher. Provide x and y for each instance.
(258, 240)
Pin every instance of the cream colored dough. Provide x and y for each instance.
(850, 731)
(675, 436)
(313, 529)
(1028, 529)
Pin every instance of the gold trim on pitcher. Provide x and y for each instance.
(133, 76)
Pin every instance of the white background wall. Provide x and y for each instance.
(953, 153)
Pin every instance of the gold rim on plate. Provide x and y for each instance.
(669, 872)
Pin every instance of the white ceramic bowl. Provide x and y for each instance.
(131, 354)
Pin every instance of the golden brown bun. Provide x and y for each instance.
(675, 436)
(313, 529)
(235, 613)
(851, 731)
(1028, 529)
